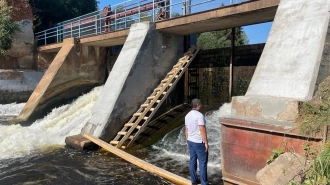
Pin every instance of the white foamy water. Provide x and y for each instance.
(173, 145)
(12, 109)
(48, 132)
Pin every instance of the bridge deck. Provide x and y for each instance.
(247, 13)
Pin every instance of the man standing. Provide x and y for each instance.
(196, 136)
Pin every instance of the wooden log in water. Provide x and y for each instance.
(138, 162)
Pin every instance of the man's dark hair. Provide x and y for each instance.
(195, 102)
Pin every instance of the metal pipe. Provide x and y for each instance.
(45, 37)
(232, 45)
(153, 10)
(116, 18)
(79, 23)
(125, 16)
(57, 34)
(71, 29)
(170, 9)
(139, 11)
(95, 24)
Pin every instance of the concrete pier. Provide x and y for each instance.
(145, 59)
(289, 65)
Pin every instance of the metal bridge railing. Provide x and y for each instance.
(123, 15)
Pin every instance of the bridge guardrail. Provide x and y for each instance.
(123, 15)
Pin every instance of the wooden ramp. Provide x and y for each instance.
(162, 120)
(142, 117)
(140, 163)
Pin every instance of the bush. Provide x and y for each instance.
(314, 114)
(319, 173)
(7, 28)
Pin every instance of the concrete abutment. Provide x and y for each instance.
(74, 70)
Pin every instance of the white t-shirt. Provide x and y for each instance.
(192, 121)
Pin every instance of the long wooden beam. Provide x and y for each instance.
(140, 163)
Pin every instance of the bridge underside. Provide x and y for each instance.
(247, 13)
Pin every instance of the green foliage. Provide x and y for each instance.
(313, 118)
(145, 17)
(240, 87)
(175, 14)
(275, 153)
(315, 113)
(49, 12)
(7, 29)
(221, 39)
(319, 172)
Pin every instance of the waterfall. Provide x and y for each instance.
(50, 132)
(172, 149)
(46, 133)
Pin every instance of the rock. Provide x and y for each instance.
(287, 167)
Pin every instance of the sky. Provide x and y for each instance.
(257, 33)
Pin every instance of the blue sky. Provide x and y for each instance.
(256, 33)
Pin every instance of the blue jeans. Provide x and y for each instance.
(197, 151)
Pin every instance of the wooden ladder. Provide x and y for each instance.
(141, 118)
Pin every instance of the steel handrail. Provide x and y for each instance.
(94, 23)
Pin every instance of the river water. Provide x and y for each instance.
(36, 154)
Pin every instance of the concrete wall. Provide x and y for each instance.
(289, 65)
(75, 70)
(146, 58)
(17, 85)
(20, 55)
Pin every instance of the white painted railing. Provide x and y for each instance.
(123, 15)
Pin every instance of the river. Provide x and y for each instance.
(36, 154)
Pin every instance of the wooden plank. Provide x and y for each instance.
(114, 142)
(129, 124)
(145, 105)
(155, 97)
(193, 52)
(137, 114)
(122, 133)
(140, 163)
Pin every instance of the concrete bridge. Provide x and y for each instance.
(294, 61)
(242, 14)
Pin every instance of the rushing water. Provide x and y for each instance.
(36, 154)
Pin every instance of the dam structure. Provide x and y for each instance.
(78, 63)
(294, 61)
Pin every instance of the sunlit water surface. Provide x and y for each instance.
(37, 154)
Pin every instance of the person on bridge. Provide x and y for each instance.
(197, 142)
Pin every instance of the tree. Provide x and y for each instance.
(7, 28)
(175, 14)
(145, 17)
(49, 12)
(220, 39)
